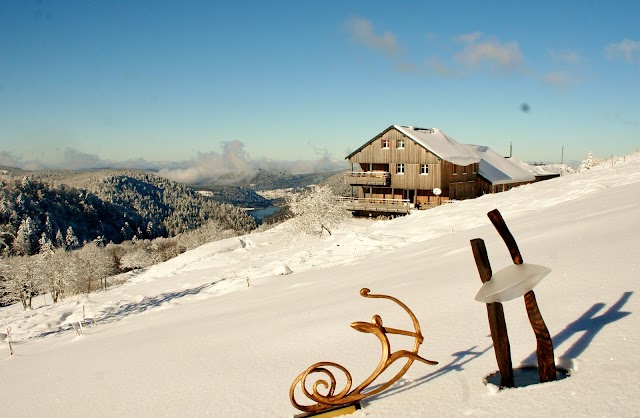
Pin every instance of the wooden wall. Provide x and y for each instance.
(456, 182)
(462, 190)
(412, 179)
(411, 154)
(456, 173)
(483, 186)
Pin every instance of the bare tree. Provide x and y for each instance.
(20, 281)
(97, 264)
(61, 270)
(316, 210)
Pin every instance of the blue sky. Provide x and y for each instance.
(229, 83)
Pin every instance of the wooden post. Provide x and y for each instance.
(544, 350)
(495, 312)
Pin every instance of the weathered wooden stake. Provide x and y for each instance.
(544, 350)
(495, 312)
(9, 340)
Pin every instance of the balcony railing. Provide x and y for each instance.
(368, 178)
(369, 204)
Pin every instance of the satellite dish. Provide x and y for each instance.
(437, 191)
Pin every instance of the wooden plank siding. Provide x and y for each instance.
(412, 179)
(412, 153)
(485, 187)
(460, 180)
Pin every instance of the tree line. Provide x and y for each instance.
(61, 272)
(60, 239)
(112, 207)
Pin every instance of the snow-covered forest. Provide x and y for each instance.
(223, 329)
(61, 240)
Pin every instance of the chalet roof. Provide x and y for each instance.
(442, 145)
(492, 166)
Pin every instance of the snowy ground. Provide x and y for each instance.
(189, 337)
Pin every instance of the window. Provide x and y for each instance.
(424, 169)
(400, 169)
(385, 144)
(400, 144)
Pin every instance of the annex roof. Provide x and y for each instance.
(497, 169)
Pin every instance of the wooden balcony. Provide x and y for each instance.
(368, 178)
(377, 205)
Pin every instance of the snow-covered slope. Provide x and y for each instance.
(190, 338)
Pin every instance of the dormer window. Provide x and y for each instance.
(400, 144)
(400, 169)
(386, 144)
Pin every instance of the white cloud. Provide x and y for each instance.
(469, 37)
(566, 57)
(9, 160)
(76, 160)
(559, 79)
(233, 163)
(438, 67)
(362, 33)
(627, 49)
(233, 160)
(407, 67)
(493, 53)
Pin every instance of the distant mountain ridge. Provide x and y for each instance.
(269, 180)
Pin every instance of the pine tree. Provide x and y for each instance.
(26, 238)
(48, 228)
(71, 241)
(45, 244)
(60, 242)
(588, 163)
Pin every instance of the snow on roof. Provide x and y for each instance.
(497, 169)
(440, 144)
(492, 166)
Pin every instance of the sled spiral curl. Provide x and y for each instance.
(323, 390)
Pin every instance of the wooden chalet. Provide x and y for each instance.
(405, 167)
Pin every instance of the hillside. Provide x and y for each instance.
(224, 329)
(115, 205)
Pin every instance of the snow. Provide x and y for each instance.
(220, 331)
(492, 166)
(442, 145)
(544, 169)
(497, 169)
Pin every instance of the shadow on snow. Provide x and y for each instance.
(133, 308)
